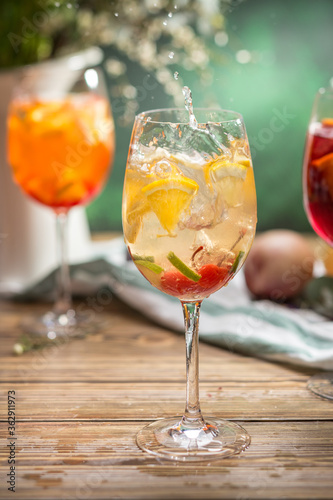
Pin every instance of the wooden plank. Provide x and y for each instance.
(85, 364)
(129, 400)
(101, 461)
(129, 347)
(79, 406)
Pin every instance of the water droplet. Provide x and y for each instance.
(170, 14)
(171, 55)
(165, 23)
(221, 38)
(116, 14)
(176, 75)
(243, 56)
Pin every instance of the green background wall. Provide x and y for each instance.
(291, 45)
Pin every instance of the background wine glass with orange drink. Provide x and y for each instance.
(61, 147)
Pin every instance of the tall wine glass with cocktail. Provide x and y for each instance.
(318, 192)
(60, 148)
(189, 218)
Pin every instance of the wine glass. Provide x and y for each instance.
(60, 147)
(189, 217)
(318, 193)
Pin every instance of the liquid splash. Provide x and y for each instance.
(206, 130)
(189, 106)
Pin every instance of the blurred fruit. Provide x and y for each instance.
(279, 264)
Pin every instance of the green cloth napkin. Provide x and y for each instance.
(229, 318)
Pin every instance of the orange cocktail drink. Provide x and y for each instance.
(60, 150)
(189, 218)
(189, 222)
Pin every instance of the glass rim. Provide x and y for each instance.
(145, 114)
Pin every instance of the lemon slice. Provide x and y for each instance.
(221, 169)
(133, 222)
(136, 205)
(243, 161)
(168, 198)
(230, 178)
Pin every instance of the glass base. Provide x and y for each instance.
(52, 326)
(169, 439)
(322, 385)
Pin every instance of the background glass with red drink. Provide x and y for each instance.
(318, 192)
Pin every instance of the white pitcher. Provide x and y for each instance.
(27, 228)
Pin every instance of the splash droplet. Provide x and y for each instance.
(176, 75)
(171, 55)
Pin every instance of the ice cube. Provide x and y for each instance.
(206, 209)
(204, 140)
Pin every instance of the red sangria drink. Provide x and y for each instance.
(318, 178)
(318, 193)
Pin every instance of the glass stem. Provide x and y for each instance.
(192, 417)
(63, 301)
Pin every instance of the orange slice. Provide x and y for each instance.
(169, 197)
(230, 179)
(327, 122)
(324, 162)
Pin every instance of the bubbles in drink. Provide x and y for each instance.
(164, 168)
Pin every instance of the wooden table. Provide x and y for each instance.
(79, 406)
